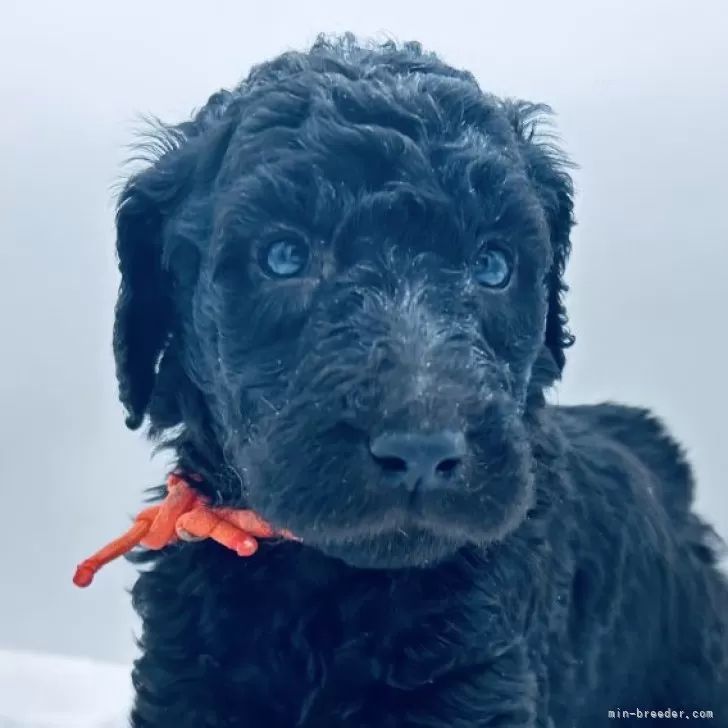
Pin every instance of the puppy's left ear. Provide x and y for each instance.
(548, 168)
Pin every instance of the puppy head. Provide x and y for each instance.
(345, 280)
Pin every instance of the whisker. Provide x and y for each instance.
(269, 403)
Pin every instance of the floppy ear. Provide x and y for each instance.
(548, 168)
(145, 309)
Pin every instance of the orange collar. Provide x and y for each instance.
(183, 515)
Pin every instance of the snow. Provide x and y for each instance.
(49, 691)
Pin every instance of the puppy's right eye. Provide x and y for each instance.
(284, 258)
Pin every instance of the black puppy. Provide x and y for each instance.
(341, 305)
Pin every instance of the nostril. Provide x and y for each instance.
(391, 464)
(448, 466)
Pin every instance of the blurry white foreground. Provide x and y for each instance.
(46, 691)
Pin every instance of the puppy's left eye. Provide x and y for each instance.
(492, 268)
(284, 258)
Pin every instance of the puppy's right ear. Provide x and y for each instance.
(145, 310)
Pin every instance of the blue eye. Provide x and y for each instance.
(284, 258)
(492, 269)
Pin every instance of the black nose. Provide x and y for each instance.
(419, 459)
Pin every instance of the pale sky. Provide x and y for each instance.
(642, 100)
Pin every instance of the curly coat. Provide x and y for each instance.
(558, 572)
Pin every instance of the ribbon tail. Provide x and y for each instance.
(87, 569)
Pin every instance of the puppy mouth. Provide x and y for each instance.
(402, 540)
(371, 514)
(410, 519)
(386, 489)
(375, 526)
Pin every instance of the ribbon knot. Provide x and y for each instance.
(183, 515)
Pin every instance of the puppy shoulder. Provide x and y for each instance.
(640, 434)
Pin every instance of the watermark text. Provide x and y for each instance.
(668, 714)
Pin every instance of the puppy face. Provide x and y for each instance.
(362, 257)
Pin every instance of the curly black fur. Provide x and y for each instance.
(557, 570)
